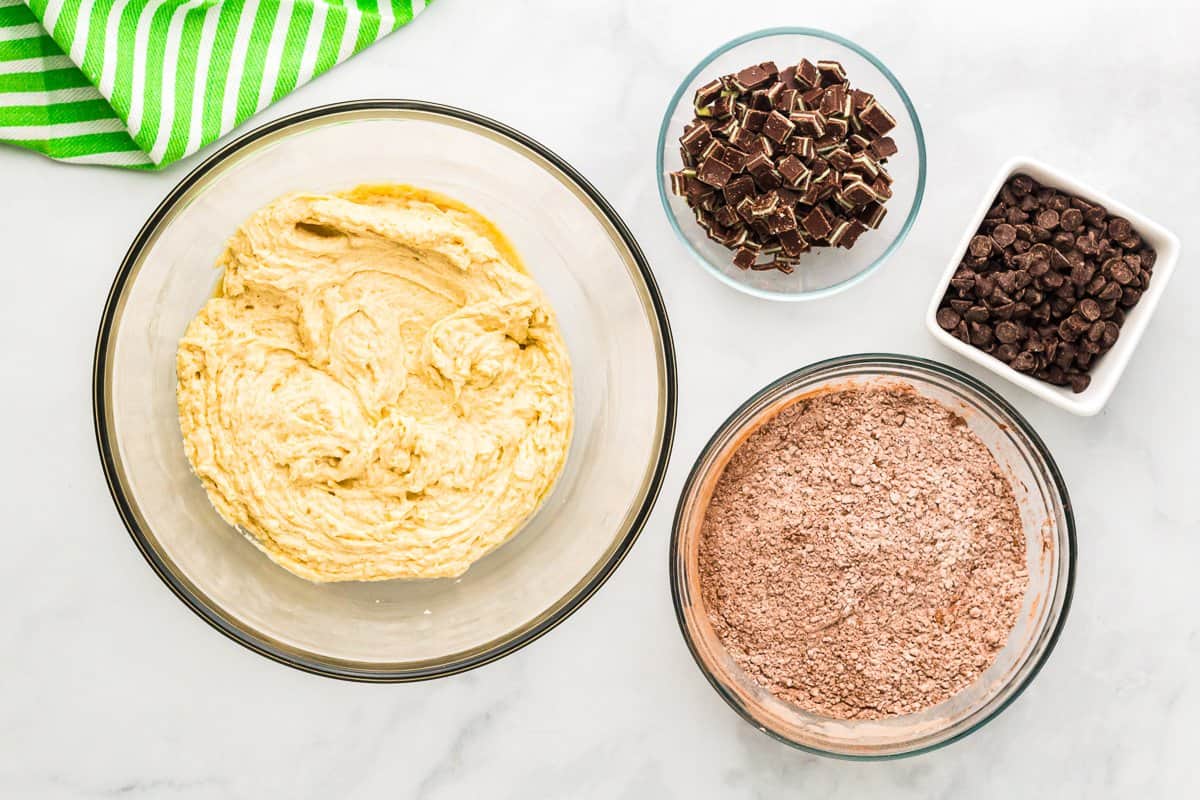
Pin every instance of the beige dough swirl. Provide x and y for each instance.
(378, 390)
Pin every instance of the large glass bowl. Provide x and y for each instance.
(1050, 559)
(825, 270)
(611, 316)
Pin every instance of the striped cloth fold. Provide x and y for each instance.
(143, 83)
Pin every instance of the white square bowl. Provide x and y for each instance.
(1108, 368)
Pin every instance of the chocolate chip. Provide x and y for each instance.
(1110, 291)
(1004, 235)
(981, 334)
(980, 246)
(963, 280)
(1089, 309)
(1094, 215)
(1082, 272)
(1079, 381)
(1008, 332)
(1025, 362)
(1053, 280)
(1047, 219)
(1071, 219)
(1006, 352)
(1052, 373)
(1112, 331)
(977, 314)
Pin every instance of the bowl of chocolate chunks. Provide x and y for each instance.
(791, 163)
(1052, 285)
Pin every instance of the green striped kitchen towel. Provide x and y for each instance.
(143, 83)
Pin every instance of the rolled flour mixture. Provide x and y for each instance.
(378, 389)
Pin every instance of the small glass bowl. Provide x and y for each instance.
(827, 270)
(1050, 559)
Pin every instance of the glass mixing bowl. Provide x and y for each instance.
(1050, 558)
(610, 313)
(825, 270)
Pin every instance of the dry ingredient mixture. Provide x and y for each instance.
(863, 554)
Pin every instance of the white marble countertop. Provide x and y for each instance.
(110, 687)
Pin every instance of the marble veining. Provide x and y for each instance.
(110, 687)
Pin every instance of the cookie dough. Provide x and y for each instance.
(378, 389)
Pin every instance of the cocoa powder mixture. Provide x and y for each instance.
(863, 555)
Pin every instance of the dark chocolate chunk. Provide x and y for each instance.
(753, 119)
(752, 77)
(858, 193)
(850, 237)
(831, 72)
(738, 189)
(744, 258)
(792, 243)
(816, 223)
(696, 139)
(778, 127)
(744, 139)
(722, 107)
(714, 173)
(809, 123)
(781, 219)
(707, 93)
(807, 75)
(793, 170)
(861, 99)
(679, 182)
(811, 148)
(872, 214)
(884, 147)
(876, 117)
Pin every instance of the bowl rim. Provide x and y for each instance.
(664, 195)
(876, 359)
(347, 670)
